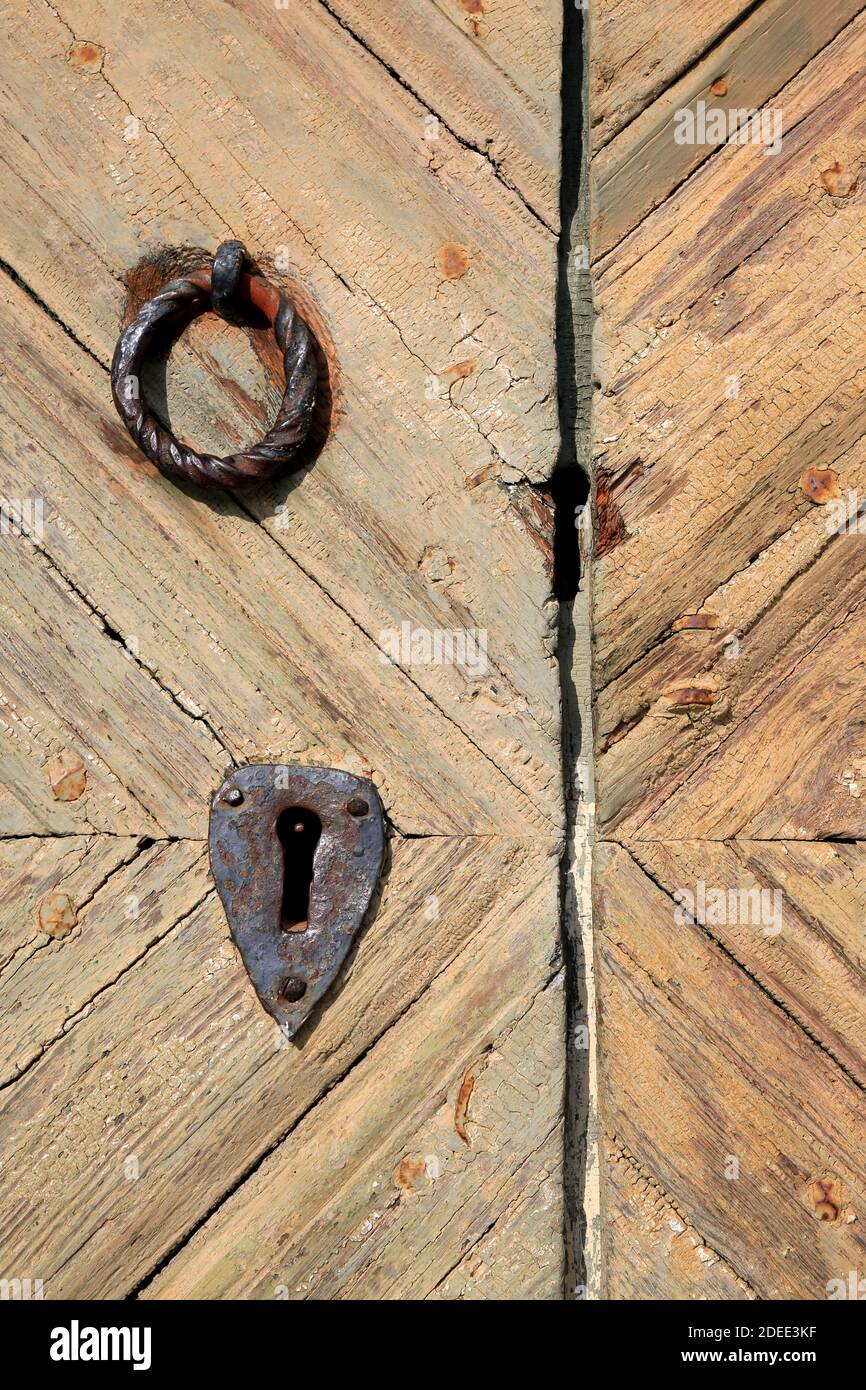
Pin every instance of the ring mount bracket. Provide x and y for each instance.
(228, 262)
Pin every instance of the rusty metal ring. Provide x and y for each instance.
(169, 311)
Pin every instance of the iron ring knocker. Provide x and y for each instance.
(233, 294)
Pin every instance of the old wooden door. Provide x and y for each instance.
(729, 640)
(397, 169)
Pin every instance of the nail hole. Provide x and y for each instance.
(292, 989)
(357, 807)
(298, 831)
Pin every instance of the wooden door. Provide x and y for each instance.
(729, 636)
(397, 170)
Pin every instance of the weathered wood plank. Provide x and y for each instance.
(769, 663)
(644, 163)
(449, 379)
(51, 983)
(639, 47)
(33, 869)
(751, 1131)
(245, 641)
(522, 1250)
(802, 941)
(792, 787)
(205, 1083)
(704, 434)
(382, 1188)
(490, 72)
(657, 1253)
(67, 688)
(703, 440)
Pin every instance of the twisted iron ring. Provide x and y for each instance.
(231, 293)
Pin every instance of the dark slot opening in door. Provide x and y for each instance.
(298, 831)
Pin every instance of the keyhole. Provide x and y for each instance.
(298, 831)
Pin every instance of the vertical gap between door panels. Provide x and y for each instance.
(570, 487)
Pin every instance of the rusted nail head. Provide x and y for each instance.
(820, 485)
(696, 621)
(234, 796)
(684, 696)
(67, 775)
(57, 915)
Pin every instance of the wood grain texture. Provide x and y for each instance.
(444, 385)
(32, 868)
(377, 1193)
(655, 1252)
(803, 942)
(639, 47)
(731, 361)
(52, 982)
(788, 663)
(699, 1071)
(524, 1244)
(728, 671)
(643, 164)
(66, 686)
(204, 1082)
(489, 73)
(157, 636)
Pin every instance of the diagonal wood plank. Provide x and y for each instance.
(523, 1247)
(179, 1069)
(802, 941)
(642, 165)
(263, 663)
(731, 365)
(144, 759)
(800, 787)
(490, 74)
(702, 433)
(639, 47)
(375, 1195)
(32, 869)
(721, 1099)
(658, 1254)
(51, 984)
(768, 661)
(449, 376)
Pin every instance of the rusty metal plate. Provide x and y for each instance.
(295, 853)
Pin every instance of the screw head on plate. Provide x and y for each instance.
(292, 989)
(234, 796)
